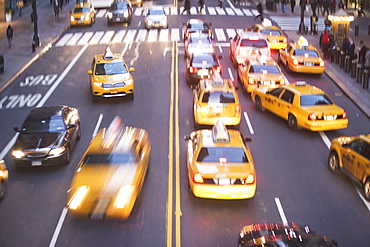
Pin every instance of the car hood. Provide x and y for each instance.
(225, 170)
(39, 140)
(112, 78)
(156, 17)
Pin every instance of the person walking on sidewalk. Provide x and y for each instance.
(220, 3)
(367, 59)
(333, 6)
(201, 6)
(187, 7)
(313, 7)
(260, 11)
(283, 5)
(326, 6)
(362, 53)
(20, 5)
(9, 35)
(292, 5)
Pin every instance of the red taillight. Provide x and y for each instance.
(344, 116)
(218, 69)
(249, 179)
(198, 108)
(237, 108)
(322, 63)
(198, 178)
(312, 116)
(192, 69)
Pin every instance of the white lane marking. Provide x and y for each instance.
(85, 38)
(107, 37)
(64, 40)
(119, 36)
(136, 54)
(230, 73)
(59, 227)
(130, 36)
(138, 11)
(239, 12)
(152, 36)
(220, 11)
(254, 12)
(97, 126)
(325, 139)
(163, 34)
(193, 11)
(101, 13)
(74, 39)
(220, 34)
(247, 12)
(229, 11)
(46, 97)
(248, 123)
(141, 35)
(175, 34)
(174, 11)
(367, 204)
(97, 36)
(211, 10)
(219, 48)
(281, 211)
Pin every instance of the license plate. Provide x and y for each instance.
(202, 72)
(329, 118)
(216, 108)
(118, 19)
(266, 83)
(113, 91)
(223, 181)
(308, 64)
(79, 21)
(36, 163)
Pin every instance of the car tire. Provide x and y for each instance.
(367, 189)
(292, 122)
(333, 161)
(67, 156)
(3, 189)
(258, 104)
(78, 132)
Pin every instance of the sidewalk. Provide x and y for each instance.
(20, 55)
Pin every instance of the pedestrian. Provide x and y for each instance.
(313, 7)
(292, 5)
(327, 23)
(367, 59)
(326, 6)
(361, 52)
(345, 45)
(283, 5)
(20, 5)
(180, 4)
(340, 5)
(187, 7)
(360, 10)
(56, 8)
(9, 35)
(201, 6)
(331, 47)
(333, 6)
(325, 41)
(351, 50)
(260, 11)
(60, 4)
(220, 3)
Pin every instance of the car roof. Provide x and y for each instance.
(47, 111)
(207, 139)
(156, 8)
(251, 35)
(99, 58)
(257, 61)
(217, 83)
(196, 21)
(306, 89)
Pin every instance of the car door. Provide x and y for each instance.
(284, 54)
(362, 166)
(71, 132)
(351, 154)
(243, 73)
(270, 99)
(284, 104)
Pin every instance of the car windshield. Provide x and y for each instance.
(222, 154)
(202, 39)
(111, 158)
(118, 7)
(198, 26)
(110, 68)
(218, 97)
(203, 61)
(156, 12)
(310, 53)
(261, 43)
(271, 32)
(82, 10)
(270, 69)
(315, 99)
(43, 125)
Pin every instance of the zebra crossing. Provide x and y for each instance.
(291, 23)
(136, 35)
(231, 11)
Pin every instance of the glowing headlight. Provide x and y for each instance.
(2, 174)
(78, 197)
(128, 82)
(150, 22)
(125, 14)
(124, 195)
(82, 18)
(18, 154)
(57, 151)
(98, 84)
(72, 18)
(109, 15)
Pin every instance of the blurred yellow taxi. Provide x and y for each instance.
(82, 14)
(303, 105)
(260, 73)
(3, 179)
(220, 164)
(111, 173)
(110, 76)
(273, 34)
(216, 99)
(302, 58)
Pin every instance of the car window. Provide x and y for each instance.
(366, 151)
(276, 92)
(209, 61)
(156, 12)
(270, 32)
(218, 97)
(111, 158)
(222, 154)
(270, 69)
(81, 10)
(43, 125)
(198, 26)
(310, 53)
(357, 145)
(261, 43)
(118, 6)
(288, 96)
(110, 68)
(315, 99)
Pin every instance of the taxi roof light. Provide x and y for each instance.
(301, 83)
(220, 133)
(266, 22)
(108, 55)
(302, 41)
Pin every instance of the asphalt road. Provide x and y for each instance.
(293, 181)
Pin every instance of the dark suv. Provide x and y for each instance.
(202, 65)
(120, 11)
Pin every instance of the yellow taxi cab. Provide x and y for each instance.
(216, 99)
(82, 14)
(111, 173)
(110, 76)
(302, 57)
(220, 164)
(303, 105)
(351, 155)
(273, 34)
(260, 73)
(3, 179)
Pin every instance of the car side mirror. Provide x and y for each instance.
(16, 129)
(220, 57)
(89, 72)
(70, 126)
(187, 138)
(131, 69)
(247, 139)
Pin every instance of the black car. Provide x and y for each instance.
(202, 65)
(120, 11)
(197, 25)
(279, 235)
(47, 136)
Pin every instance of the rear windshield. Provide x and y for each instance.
(270, 69)
(110, 68)
(204, 39)
(118, 6)
(218, 97)
(113, 158)
(315, 99)
(261, 43)
(271, 32)
(310, 53)
(156, 12)
(222, 154)
(204, 61)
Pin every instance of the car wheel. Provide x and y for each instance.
(79, 132)
(367, 189)
(292, 122)
(3, 189)
(67, 156)
(258, 104)
(333, 161)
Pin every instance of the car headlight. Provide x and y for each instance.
(125, 14)
(57, 151)
(78, 197)
(149, 22)
(2, 174)
(72, 18)
(164, 21)
(98, 84)
(124, 195)
(110, 15)
(128, 82)
(18, 154)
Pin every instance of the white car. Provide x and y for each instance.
(198, 42)
(156, 17)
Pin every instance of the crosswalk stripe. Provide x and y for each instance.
(64, 39)
(175, 34)
(193, 11)
(220, 34)
(130, 36)
(96, 38)
(238, 12)
(292, 23)
(247, 12)
(74, 39)
(101, 13)
(119, 36)
(230, 32)
(174, 11)
(212, 11)
(107, 37)
(85, 38)
(220, 11)
(141, 35)
(166, 10)
(138, 11)
(229, 11)
(163, 35)
(152, 36)
(254, 12)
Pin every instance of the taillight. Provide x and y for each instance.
(322, 63)
(198, 108)
(249, 179)
(312, 116)
(250, 81)
(284, 40)
(282, 81)
(192, 69)
(218, 69)
(198, 178)
(344, 116)
(295, 61)
(237, 108)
